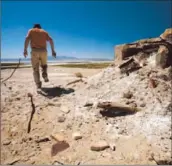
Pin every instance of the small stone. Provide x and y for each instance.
(6, 142)
(51, 104)
(24, 139)
(128, 95)
(127, 102)
(57, 137)
(76, 136)
(10, 100)
(133, 105)
(68, 126)
(61, 119)
(57, 163)
(121, 132)
(80, 124)
(87, 104)
(101, 145)
(142, 78)
(32, 162)
(97, 120)
(18, 98)
(14, 152)
(152, 83)
(106, 118)
(141, 99)
(55, 99)
(46, 139)
(29, 95)
(65, 109)
(30, 138)
(142, 105)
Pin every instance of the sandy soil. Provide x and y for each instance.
(135, 139)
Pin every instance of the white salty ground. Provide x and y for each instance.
(136, 136)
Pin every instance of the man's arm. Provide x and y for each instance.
(26, 43)
(51, 44)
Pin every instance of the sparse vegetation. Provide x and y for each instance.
(87, 65)
(11, 64)
(78, 74)
(70, 65)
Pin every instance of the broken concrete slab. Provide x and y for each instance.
(143, 49)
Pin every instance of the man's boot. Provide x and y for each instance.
(39, 86)
(44, 73)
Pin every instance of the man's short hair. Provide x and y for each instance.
(37, 26)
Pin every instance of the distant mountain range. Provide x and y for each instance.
(58, 58)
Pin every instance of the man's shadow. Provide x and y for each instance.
(55, 91)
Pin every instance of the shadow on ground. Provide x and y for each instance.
(55, 91)
(114, 113)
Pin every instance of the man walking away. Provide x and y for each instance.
(38, 38)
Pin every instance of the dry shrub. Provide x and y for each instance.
(78, 74)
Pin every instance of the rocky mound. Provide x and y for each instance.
(146, 86)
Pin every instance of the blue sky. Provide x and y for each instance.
(83, 29)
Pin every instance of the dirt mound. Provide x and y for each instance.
(146, 86)
(154, 118)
